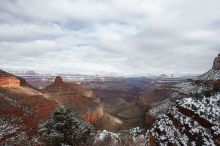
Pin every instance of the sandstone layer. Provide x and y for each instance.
(8, 80)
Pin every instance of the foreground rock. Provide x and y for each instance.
(194, 119)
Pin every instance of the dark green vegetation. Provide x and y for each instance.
(63, 128)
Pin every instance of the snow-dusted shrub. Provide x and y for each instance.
(63, 128)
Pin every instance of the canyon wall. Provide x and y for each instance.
(6, 81)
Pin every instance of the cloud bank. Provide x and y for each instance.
(111, 36)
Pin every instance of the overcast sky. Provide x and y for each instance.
(109, 36)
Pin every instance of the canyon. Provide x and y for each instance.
(153, 110)
(114, 103)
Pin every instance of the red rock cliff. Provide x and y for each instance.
(8, 80)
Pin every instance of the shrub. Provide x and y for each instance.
(63, 128)
(205, 93)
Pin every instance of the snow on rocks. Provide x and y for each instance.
(137, 134)
(184, 123)
(190, 126)
(161, 107)
(10, 132)
(188, 88)
(132, 137)
(166, 133)
(206, 107)
(107, 137)
(210, 75)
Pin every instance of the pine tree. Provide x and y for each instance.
(63, 128)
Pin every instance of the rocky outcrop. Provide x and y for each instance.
(58, 80)
(214, 73)
(205, 82)
(191, 121)
(216, 63)
(8, 80)
(77, 98)
(60, 87)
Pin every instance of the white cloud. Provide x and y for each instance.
(25, 31)
(126, 37)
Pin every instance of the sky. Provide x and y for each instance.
(110, 36)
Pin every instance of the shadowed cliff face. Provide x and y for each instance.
(216, 63)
